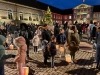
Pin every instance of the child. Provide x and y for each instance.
(35, 42)
(3, 57)
(21, 56)
(8, 40)
(53, 51)
(61, 40)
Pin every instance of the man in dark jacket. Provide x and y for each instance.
(79, 28)
(56, 30)
(46, 33)
(12, 30)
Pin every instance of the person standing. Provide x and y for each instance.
(79, 28)
(12, 30)
(26, 34)
(73, 42)
(35, 42)
(21, 56)
(53, 51)
(61, 40)
(3, 57)
(56, 30)
(46, 33)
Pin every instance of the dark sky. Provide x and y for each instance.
(39, 5)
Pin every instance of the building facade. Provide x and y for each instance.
(19, 13)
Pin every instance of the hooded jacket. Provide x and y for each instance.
(2, 48)
(22, 48)
(3, 57)
(73, 40)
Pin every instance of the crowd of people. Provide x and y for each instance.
(47, 37)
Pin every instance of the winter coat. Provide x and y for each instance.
(56, 31)
(73, 41)
(2, 51)
(52, 49)
(22, 48)
(12, 28)
(35, 40)
(27, 35)
(79, 28)
(61, 38)
(46, 35)
(3, 32)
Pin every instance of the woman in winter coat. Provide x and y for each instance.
(73, 41)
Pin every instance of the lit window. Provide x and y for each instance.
(70, 17)
(10, 14)
(21, 15)
(30, 17)
(37, 17)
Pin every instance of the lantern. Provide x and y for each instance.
(57, 47)
(61, 49)
(25, 70)
(68, 58)
(11, 47)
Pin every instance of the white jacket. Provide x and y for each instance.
(35, 40)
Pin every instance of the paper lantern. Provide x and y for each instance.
(57, 47)
(61, 49)
(25, 70)
(68, 58)
(11, 47)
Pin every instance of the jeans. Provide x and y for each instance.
(2, 70)
(35, 48)
(98, 54)
(52, 61)
(91, 37)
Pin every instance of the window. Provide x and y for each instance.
(10, 14)
(70, 17)
(37, 19)
(30, 17)
(21, 15)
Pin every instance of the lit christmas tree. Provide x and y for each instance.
(48, 17)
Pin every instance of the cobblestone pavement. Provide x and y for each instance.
(84, 66)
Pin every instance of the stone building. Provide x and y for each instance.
(19, 13)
